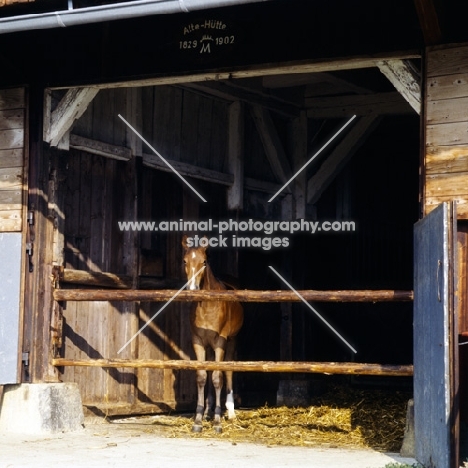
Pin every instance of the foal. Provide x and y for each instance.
(214, 325)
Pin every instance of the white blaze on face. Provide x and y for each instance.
(192, 284)
(192, 273)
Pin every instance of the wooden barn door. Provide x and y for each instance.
(435, 340)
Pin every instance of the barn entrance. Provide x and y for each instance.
(236, 141)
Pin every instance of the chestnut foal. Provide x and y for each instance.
(214, 325)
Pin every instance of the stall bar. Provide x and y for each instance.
(245, 295)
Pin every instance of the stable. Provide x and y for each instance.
(120, 120)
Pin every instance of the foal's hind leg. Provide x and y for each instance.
(230, 348)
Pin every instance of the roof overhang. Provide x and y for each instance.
(111, 12)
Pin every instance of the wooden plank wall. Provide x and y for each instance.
(182, 126)
(446, 128)
(94, 201)
(12, 147)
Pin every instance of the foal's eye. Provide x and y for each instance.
(204, 262)
(185, 262)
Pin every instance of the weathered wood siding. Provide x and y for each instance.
(94, 201)
(12, 147)
(446, 128)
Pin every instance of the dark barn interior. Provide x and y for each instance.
(375, 185)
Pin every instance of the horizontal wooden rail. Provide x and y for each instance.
(350, 368)
(243, 295)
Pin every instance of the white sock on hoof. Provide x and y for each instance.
(230, 405)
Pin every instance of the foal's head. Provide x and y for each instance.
(194, 261)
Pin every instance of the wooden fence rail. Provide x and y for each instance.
(160, 295)
(243, 295)
(349, 368)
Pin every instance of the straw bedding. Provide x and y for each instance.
(340, 418)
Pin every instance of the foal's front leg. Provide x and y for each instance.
(218, 385)
(201, 381)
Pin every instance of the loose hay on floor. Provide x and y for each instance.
(341, 418)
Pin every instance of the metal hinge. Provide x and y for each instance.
(31, 218)
(29, 252)
(25, 359)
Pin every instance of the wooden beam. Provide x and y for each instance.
(236, 295)
(70, 108)
(150, 160)
(209, 175)
(429, 21)
(349, 368)
(311, 80)
(340, 155)
(189, 170)
(231, 91)
(302, 66)
(235, 193)
(263, 186)
(272, 144)
(100, 148)
(406, 80)
(94, 278)
(346, 106)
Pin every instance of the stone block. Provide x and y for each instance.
(44, 408)
(407, 448)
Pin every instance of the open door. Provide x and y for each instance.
(436, 340)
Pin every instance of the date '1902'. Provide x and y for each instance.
(206, 42)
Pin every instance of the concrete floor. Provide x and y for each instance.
(111, 445)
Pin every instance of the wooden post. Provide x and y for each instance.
(298, 150)
(38, 286)
(131, 255)
(286, 328)
(235, 192)
(56, 202)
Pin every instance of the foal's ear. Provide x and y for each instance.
(184, 241)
